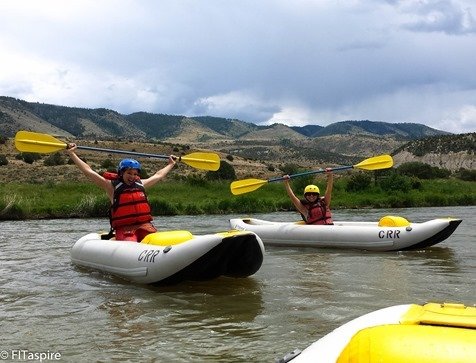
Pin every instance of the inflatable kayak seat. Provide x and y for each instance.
(167, 238)
(393, 221)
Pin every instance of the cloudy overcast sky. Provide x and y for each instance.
(296, 62)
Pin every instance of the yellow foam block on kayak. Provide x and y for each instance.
(411, 344)
(167, 238)
(447, 314)
(393, 221)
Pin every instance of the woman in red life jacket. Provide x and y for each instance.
(130, 211)
(313, 208)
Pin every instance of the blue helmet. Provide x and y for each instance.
(128, 164)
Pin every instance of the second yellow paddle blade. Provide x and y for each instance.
(202, 160)
(245, 186)
(376, 163)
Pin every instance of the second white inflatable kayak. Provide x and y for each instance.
(391, 233)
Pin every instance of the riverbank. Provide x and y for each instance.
(196, 196)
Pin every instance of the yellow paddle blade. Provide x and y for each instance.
(33, 142)
(246, 185)
(376, 163)
(202, 160)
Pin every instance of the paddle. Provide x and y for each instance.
(249, 185)
(33, 142)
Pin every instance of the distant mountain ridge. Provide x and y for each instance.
(270, 146)
(104, 123)
(404, 130)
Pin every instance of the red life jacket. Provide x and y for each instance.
(317, 213)
(130, 205)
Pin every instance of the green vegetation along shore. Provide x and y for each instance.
(193, 196)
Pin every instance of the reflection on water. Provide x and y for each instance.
(296, 297)
(224, 300)
(443, 257)
(205, 312)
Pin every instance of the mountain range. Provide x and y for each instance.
(340, 142)
(86, 123)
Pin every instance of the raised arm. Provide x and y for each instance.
(160, 174)
(94, 177)
(297, 203)
(330, 184)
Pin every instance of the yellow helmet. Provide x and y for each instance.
(311, 189)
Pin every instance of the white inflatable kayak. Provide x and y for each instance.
(391, 233)
(432, 333)
(172, 256)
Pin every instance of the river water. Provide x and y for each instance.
(48, 306)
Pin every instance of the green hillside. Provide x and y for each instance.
(443, 144)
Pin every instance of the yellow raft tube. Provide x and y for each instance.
(430, 333)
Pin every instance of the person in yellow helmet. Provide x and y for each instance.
(314, 209)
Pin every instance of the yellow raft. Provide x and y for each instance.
(432, 333)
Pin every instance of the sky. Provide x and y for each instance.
(295, 62)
